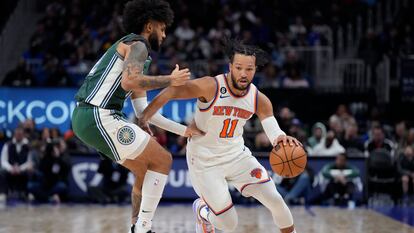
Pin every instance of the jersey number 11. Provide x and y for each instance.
(225, 132)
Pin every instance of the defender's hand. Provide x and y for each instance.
(143, 124)
(179, 77)
(192, 130)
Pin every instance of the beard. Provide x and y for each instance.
(236, 85)
(154, 42)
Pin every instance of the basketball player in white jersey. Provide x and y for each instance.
(219, 158)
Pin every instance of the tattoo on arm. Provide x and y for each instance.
(154, 82)
(136, 205)
(134, 64)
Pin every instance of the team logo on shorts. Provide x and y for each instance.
(257, 172)
(126, 135)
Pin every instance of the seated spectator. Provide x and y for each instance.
(340, 177)
(343, 116)
(406, 169)
(184, 31)
(285, 118)
(17, 163)
(328, 147)
(299, 187)
(269, 78)
(352, 141)
(219, 32)
(318, 134)
(30, 131)
(51, 183)
(335, 125)
(378, 141)
(113, 187)
(400, 137)
(295, 79)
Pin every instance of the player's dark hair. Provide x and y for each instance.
(137, 13)
(235, 46)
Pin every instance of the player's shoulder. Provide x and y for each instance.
(262, 100)
(126, 46)
(205, 81)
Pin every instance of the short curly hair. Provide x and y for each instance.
(137, 13)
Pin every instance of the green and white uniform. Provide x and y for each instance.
(98, 119)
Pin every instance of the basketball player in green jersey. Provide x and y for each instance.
(120, 73)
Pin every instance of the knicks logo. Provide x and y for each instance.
(257, 172)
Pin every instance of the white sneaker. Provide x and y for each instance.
(136, 228)
(202, 225)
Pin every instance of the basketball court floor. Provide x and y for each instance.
(179, 219)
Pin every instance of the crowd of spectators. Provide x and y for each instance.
(73, 34)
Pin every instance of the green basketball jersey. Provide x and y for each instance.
(102, 86)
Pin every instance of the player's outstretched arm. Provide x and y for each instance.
(269, 122)
(134, 80)
(139, 103)
(203, 88)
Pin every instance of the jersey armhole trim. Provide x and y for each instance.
(119, 55)
(214, 100)
(256, 100)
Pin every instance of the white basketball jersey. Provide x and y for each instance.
(223, 119)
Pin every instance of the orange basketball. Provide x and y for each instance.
(288, 161)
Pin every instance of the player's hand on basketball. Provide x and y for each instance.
(287, 140)
(179, 77)
(143, 124)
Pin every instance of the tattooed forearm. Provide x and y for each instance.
(146, 82)
(136, 205)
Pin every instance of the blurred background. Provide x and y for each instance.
(341, 80)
